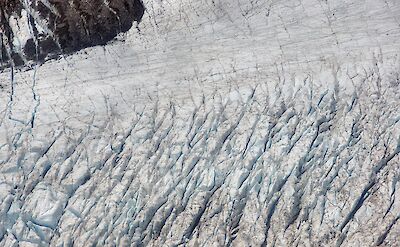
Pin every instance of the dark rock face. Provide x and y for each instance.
(66, 26)
(7, 8)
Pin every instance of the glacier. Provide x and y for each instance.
(211, 123)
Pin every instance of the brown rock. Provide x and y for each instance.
(72, 25)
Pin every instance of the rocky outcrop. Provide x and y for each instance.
(40, 29)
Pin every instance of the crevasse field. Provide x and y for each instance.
(214, 123)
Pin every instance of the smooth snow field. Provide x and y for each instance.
(213, 123)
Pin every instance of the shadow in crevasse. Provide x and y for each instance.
(61, 27)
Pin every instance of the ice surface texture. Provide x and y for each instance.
(219, 123)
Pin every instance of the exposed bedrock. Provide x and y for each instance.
(38, 29)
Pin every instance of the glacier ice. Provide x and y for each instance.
(214, 123)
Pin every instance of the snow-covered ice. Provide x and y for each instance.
(214, 123)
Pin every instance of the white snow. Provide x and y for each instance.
(216, 123)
